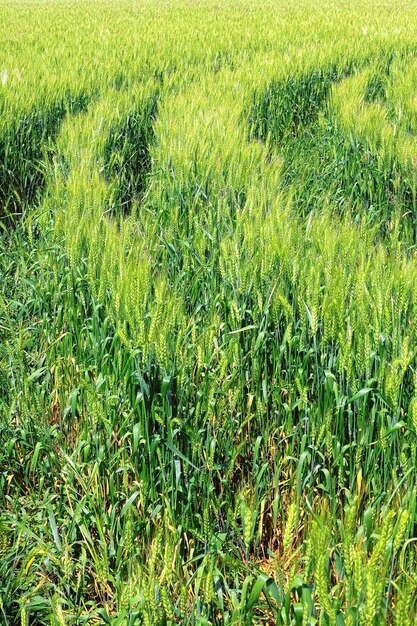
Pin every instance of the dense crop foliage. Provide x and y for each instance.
(208, 312)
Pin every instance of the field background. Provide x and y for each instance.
(208, 309)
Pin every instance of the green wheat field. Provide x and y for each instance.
(208, 312)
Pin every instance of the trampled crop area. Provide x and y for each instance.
(208, 312)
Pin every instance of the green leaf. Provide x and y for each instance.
(256, 590)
